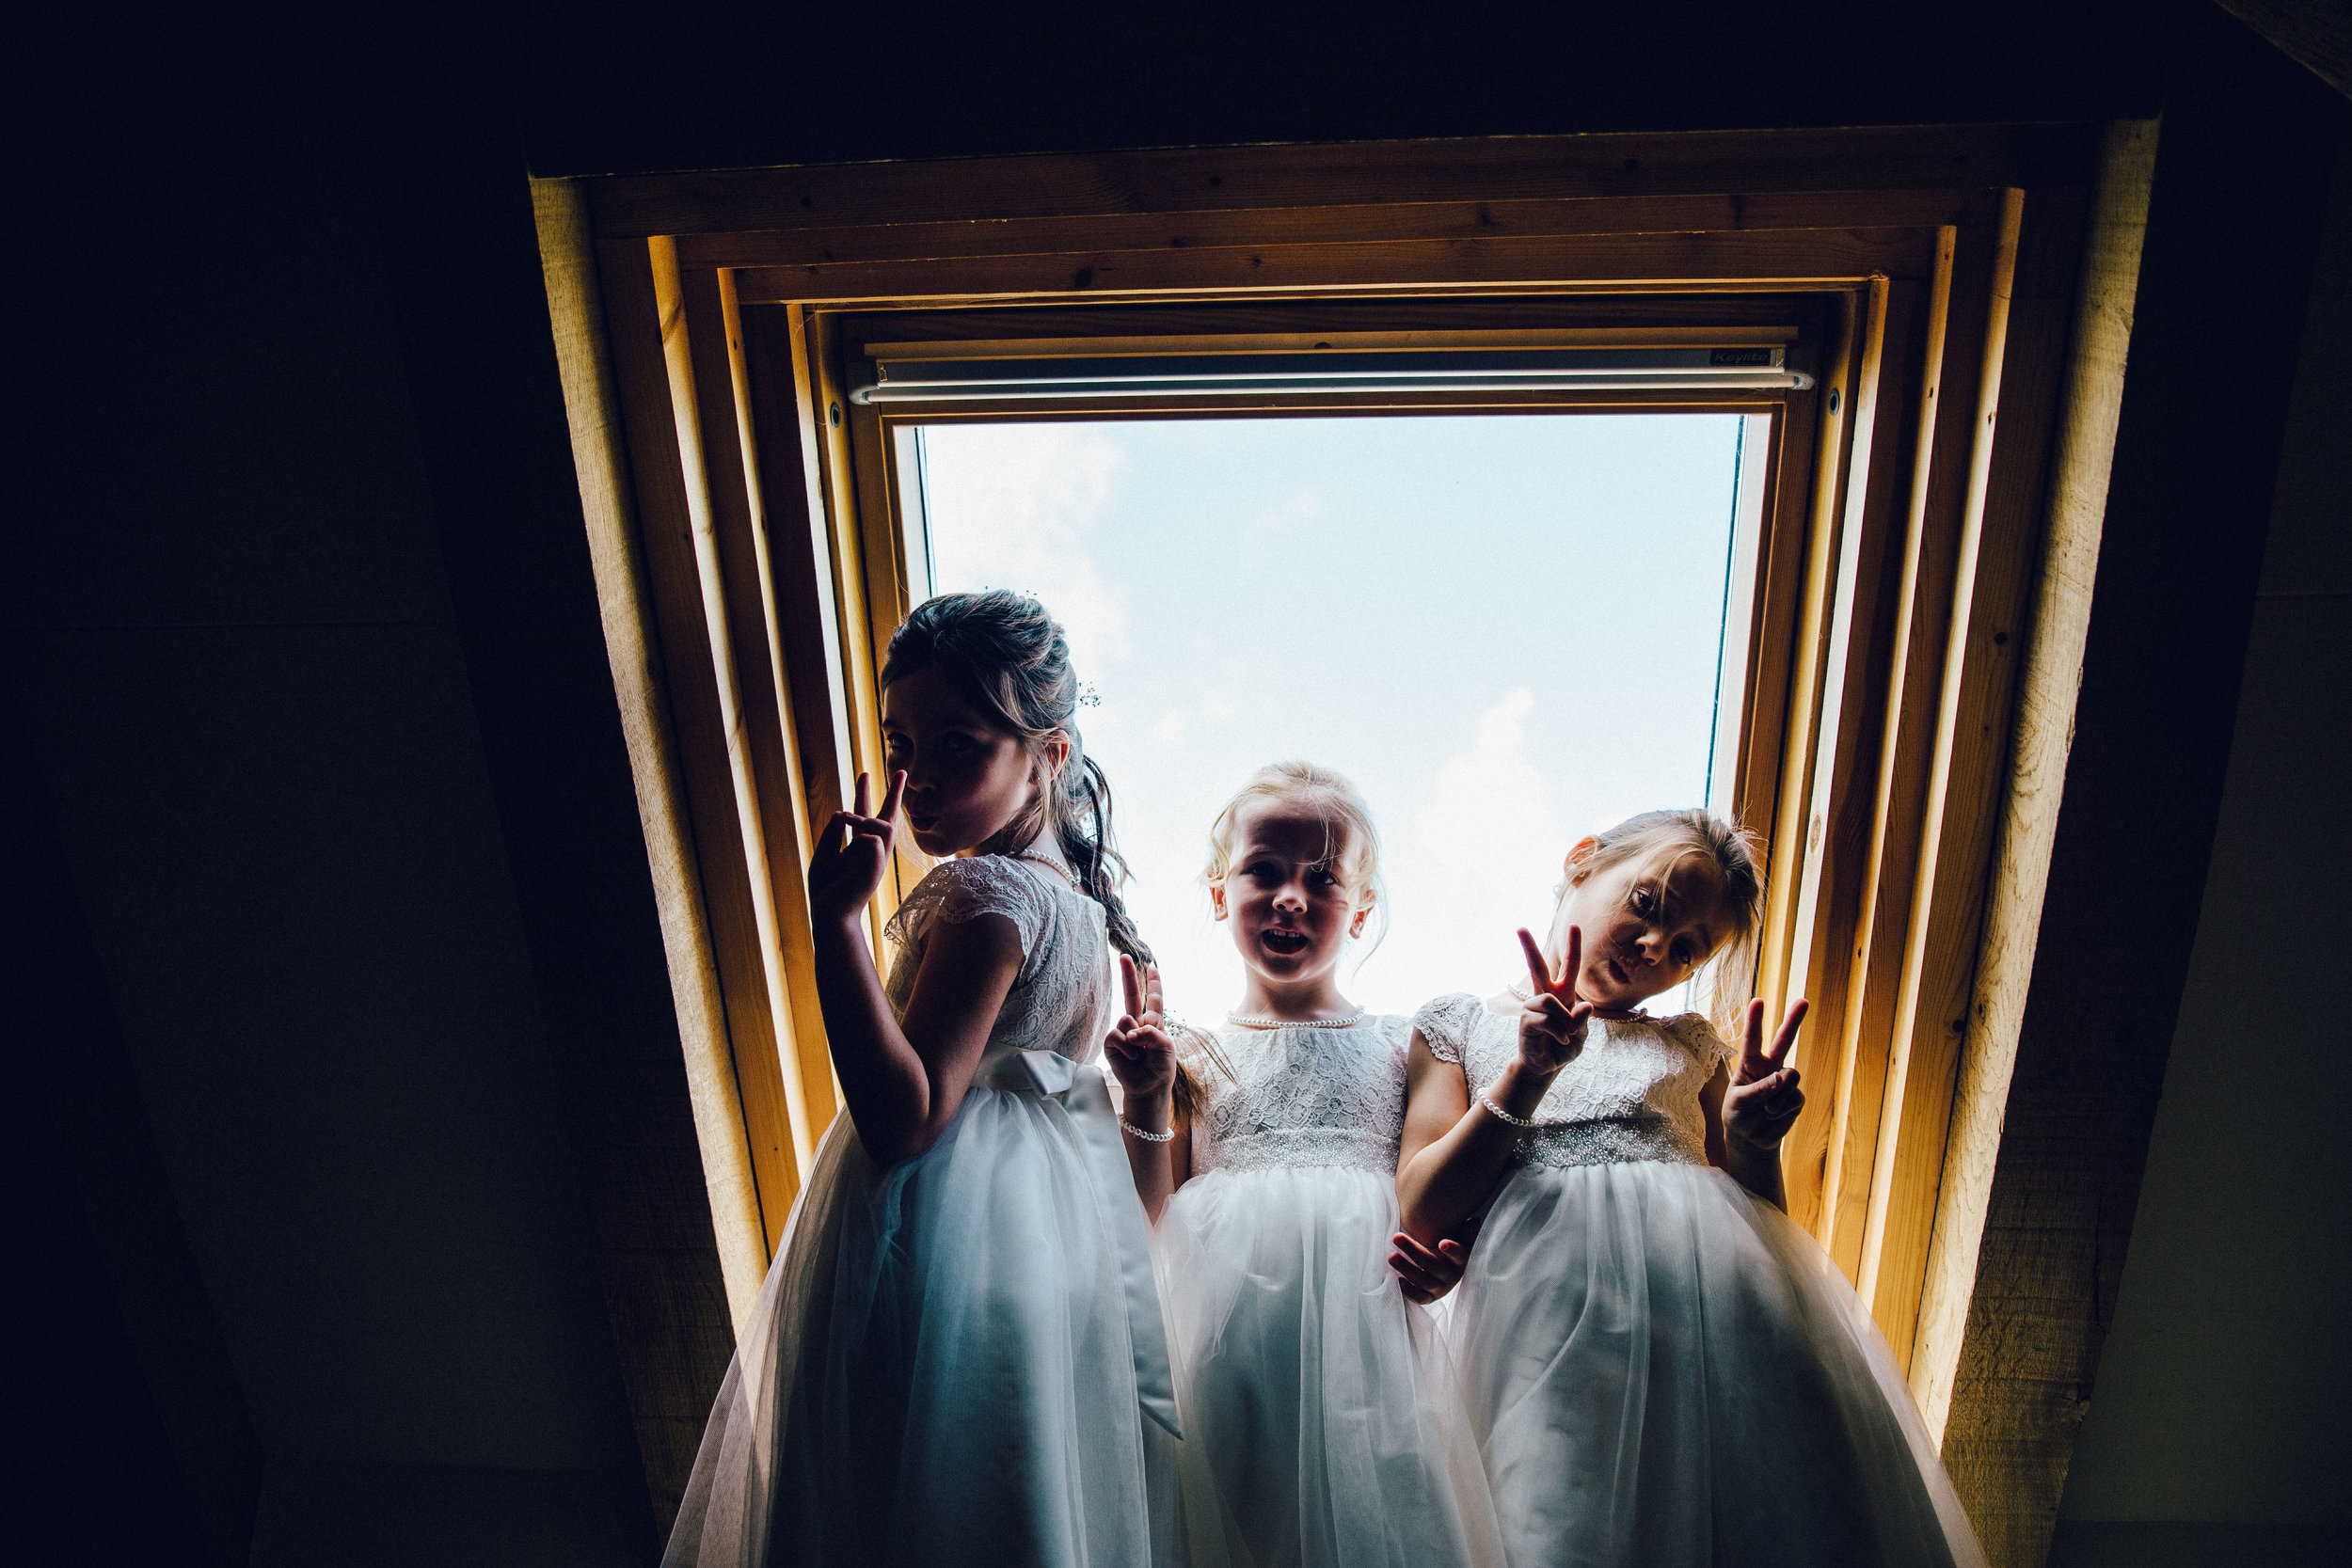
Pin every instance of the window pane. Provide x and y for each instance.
(1502, 627)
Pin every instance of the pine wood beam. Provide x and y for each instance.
(2052, 654)
(624, 605)
(2224, 274)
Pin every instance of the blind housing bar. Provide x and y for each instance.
(1721, 367)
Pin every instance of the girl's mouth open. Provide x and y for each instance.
(1288, 944)
(1618, 972)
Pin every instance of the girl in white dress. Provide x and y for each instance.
(1318, 1433)
(1660, 1368)
(958, 1354)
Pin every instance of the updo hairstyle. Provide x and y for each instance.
(1006, 656)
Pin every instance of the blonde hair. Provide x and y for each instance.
(1351, 848)
(1727, 975)
(1352, 844)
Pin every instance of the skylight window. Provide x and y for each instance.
(1506, 628)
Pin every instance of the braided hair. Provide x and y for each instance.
(1006, 656)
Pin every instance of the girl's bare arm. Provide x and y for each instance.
(1759, 1173)
(903, 1081)
(1159, 1168)
(1454, 1153)
(1451, 1156)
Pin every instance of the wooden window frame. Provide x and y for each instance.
(1889, 606)
(1753, 687)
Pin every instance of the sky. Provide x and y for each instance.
(1502, 627)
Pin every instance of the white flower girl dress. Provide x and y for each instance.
(1319, 1431)
(956, 1359)
(1660, 1368)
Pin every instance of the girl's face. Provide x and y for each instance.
(1644, 931)
(1291, 915)
(966, 777)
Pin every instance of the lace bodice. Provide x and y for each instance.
(1059, 1001)
(1303, 1097)
(1633, 1094)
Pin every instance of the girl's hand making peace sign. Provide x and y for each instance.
(1762, 1101)
(1142, 1056)
(1552, 1025)
(851, 854)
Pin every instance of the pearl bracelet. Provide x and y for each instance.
(1147, 1137)
(1501, 1115)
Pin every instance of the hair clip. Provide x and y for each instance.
(1087, 696)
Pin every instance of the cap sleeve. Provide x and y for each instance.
(1445, 1023)
(960, 890)
(1699, 1037)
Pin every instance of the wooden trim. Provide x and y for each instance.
(1307, 343)
(1786, 460)
(1920, 746)
(1735, 681)
(2053, 651)
(746, 576)
(1768, 258)
(1249, 179)
(1773, 611)
(697, 425)
(1840, 802)
(889, 589)
(1324, 404)
(1781, 969)
(2034, 265)
(782, 401)
(703, 718)
(1371, 223)
(623, 601)
(1393, 313)
(1955, 311)
(866, 621)
(2188, 506)
(1880, 524)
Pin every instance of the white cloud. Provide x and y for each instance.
(1028, 500)
(1479, 861)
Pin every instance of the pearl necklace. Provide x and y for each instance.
(1053, 865)
(1521, 989)
(1348, 1022)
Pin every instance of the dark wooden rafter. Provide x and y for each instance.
(63, 1062)
(1380, 175)
(2315, 34)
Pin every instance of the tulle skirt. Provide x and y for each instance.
(938, 1369)
(1320, 1428)
(1661, 1371)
